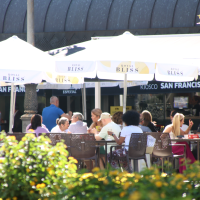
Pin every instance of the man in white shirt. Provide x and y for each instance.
(77, 125)
(108, 125)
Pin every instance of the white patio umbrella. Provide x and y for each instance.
(21, 63)
(129, 57)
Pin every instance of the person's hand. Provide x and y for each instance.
(110, 133)
(89, 130)
(190, 123)
(94, 131)
(70, 113)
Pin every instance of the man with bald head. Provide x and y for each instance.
(52, 112)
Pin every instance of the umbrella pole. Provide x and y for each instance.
(125, 93)
(12, 107)
(84, 101)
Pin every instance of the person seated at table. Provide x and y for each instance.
(29, 125)
(148, 121)
(184, 126)
(36, 125)
(62, 125)
(95, 116)
(117, 118)
(77, 125)
(131, 119)
(144, 128)
(175, 130)
(108, 125)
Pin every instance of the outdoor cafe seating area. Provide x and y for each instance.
(84, 147)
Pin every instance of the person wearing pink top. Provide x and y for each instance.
(36, 125)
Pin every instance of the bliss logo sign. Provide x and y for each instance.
(175, 72)
(13, 77)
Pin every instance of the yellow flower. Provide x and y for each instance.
(8, 199)
(179, 187)
(157, 177)
(135, 196)
(45, 198)
(105, 182)
(158, 184)
(165, 184)
(122, 194)
(1, 199)
(38, 186)
(42, 185)
(28, 170)
(11, 137)
(32, 183)
(75, 161)
(137, 176)
(14, 198)
(71, 158)
(113, 173)
(24, 139)
(96, 169)
(162, 195)
(31, 192)
(71, 186)
(189, 186)
(192, 175)
(1, 160)
(126, 185)
(54, 193)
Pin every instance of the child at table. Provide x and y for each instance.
(174, 130)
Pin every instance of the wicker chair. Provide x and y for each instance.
(83, 147)
(163, 147)
(137, 149)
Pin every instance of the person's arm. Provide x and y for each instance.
(119, 141)
(96, 135)
(167, 129)
(66, 115)
(188, 129)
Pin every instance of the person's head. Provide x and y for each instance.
(105, 118)
(77, 116)
(54, 100)
(141, 119)
(147, 117)
(95, 114)
(36, 121)
(117, 117)
(131, 117)
(177, 122)
(63, 123)
(173, 112)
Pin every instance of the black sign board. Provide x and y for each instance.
(20, 91)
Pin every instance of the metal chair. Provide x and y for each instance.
(83, 147)
(163, 147)
(136, 151)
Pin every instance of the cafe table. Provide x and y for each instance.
(197, 140)
(106, 142)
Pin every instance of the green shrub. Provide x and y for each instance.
(32, 168)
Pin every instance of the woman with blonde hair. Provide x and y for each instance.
(148, 120)
(95, 116)
(174, 130)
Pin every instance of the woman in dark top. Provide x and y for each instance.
(148, 121)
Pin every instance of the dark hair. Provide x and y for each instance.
(131, 117)
(173, 112)
(117, 117)
(35, 121)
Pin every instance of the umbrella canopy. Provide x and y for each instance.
(138, 57)
(22, 63)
